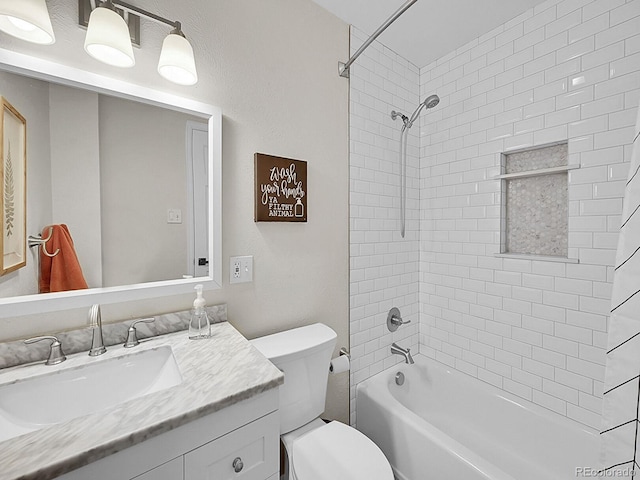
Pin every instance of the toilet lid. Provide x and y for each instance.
(336, 451)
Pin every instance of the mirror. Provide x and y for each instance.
(113, 161)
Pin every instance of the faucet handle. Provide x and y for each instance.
(394, 319)
(398, 320)
(56, 355)
(132, 338)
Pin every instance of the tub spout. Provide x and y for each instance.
(405, 352)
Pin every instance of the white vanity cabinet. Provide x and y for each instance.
(238, 442)
(172, 470)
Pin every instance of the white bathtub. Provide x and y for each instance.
(445, 425)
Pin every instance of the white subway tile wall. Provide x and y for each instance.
(384, 266)
(566, 70)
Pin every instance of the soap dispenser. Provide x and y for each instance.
(299, 208)
(199, 326)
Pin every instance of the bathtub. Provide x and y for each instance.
(442, 424)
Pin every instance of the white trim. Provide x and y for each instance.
(541, 258)
(49, 71)
(537, 173)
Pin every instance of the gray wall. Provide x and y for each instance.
(296, 109)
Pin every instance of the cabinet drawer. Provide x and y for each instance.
(171, 470)
(248, 453)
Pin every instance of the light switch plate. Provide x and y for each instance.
(241, 269)
(174, 215)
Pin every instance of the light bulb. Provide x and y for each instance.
(21, 24)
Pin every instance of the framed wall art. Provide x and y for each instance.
(280, 190)
(13, 188)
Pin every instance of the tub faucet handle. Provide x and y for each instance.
(399, 320)
(394, 319)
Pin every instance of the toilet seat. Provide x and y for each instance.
(337, 451)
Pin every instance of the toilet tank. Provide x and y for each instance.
(303, 354)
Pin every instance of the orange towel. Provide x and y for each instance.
(61, 272)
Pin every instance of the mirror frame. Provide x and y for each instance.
(41, 69)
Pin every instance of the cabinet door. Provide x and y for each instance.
(172, 470)
(248, 453)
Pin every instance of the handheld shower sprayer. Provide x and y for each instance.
(429, 102)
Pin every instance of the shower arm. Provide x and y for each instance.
(343, 68)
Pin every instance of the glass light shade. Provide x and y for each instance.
(28, 20)
(176, 62)
(108, 38)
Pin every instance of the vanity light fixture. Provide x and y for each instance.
(27, 20)
(108, 40)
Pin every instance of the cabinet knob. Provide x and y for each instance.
(237, 465)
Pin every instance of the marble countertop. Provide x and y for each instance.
(216, 373)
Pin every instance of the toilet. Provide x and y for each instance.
(316, 450)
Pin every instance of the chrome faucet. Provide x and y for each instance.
(405, 352)
(95, 321)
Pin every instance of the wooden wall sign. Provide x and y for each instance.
(281, 189)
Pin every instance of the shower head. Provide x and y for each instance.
(431, 101)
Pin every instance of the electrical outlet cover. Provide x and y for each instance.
(241, 269)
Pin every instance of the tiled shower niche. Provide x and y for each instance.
(535, 201)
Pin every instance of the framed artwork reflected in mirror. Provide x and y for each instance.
(13, 150)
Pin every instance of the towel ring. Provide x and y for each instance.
(35, 240)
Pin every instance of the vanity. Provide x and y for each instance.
(220, 421)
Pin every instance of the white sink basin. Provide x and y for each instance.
(56, 397)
